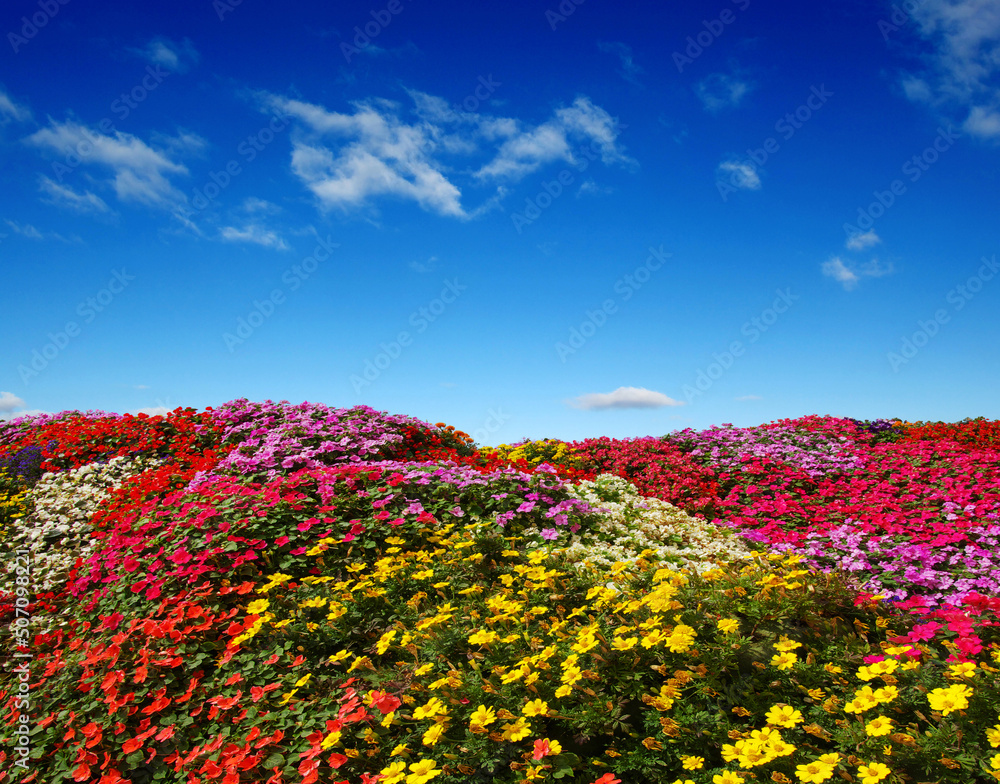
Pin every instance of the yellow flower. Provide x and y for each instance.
(434, 707)
(814, 772)
(784, 645)
(728, 625)
(422, 772)
(536, 708)
(518, 730)
(483, 637)
(886, 694)
(384, 642)
(727, 777)
(481, 718)
(433, 735)
(564, 691)
(993, 735)
(960, 669)
(880, 725)
(783, 716)
(402, 748)
(624, 643)
(784, 661)
(874, 773)
(691, 762)
(394, 772)
(953, 698)
(423, 669)
(833, 668)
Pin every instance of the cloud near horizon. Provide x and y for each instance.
(624, 397)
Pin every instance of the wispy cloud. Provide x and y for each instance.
(624, 397)
(849, 275)
(630, 69)
(254, 233)
(720, 91)
(862, 241)
(10, 110)
(424, 266)
(351, 160)
(963, 61)
(739, 174)
(63, 196)
(140, 173)
(31, 233)
(178, 57)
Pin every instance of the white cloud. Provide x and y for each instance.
(739, 175)
(963, 60)
(27, 230)
(64, 196)
(580, 123)
(152, 411)
(174, 56)
(630, 69)
(139, 172)
(862, 241)
(9, 110)
(349, 160)
(849, 275)
(589, 186)
(624, 397)
(253, 204)
(424, 266)
(9, 401)
(254, 233)
(722, 91)
(748, 397)
(983, 122)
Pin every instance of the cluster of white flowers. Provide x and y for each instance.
(631, 523)
(57, 529)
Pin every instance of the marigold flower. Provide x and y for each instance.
(422, 772)
(873, 773)
(394, 772)
(433, 735)
(784, 661)
(949, 700)
(814, 772)
(783, 716)
(727, 777)
(993, 735)
(880, 725)
(692, 762)
(536, 708)
(728, 625)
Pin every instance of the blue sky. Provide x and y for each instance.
(527, 219)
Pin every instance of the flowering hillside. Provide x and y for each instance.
(290, 594)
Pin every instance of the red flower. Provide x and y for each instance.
(608, 778)
(131, 745)
(82, 773)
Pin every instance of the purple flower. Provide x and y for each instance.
(550, 534)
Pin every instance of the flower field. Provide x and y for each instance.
(266, 592)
